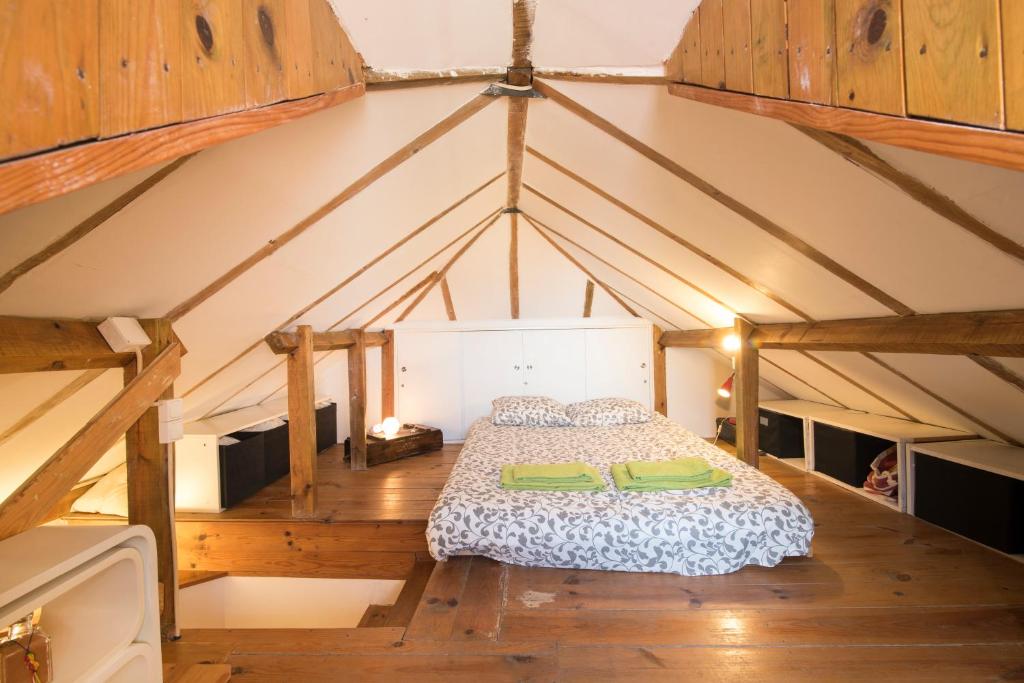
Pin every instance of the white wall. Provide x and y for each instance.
(273, 602)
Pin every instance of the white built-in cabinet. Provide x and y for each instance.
(448, 373)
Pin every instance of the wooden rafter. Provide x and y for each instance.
(604, 74)
(513, 265)
(345, 282)
(515, 146)
(718, 263)
(569, 257)
(588, 299)
(401, 298)
(384, 79)
(31, 501)
(43, 176)
(803, 381)
(630, 248)
(331, 340)
(444, 270)
(949, 404)
(34, 344)
(860, 155)
(618, 270)
(446, 294)
(747, 213)
(982, 145)
(65, 392)
(997, 333)
(89, 224)
(999, 370)
(404, 153)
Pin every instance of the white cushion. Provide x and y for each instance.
(607, 412)
(528, 411)
(108, 496)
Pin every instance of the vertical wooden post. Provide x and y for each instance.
(357, 399)
(658, 374)
(745, 387)
(302, 425)
(387, 375)
(513, 266)
(151, 482)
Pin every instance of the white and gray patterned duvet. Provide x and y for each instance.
(708, 531)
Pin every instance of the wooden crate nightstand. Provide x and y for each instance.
(411, 440)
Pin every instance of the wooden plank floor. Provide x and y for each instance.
(885, 597)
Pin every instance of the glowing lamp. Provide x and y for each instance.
(731, 343)
(390, 426)
(725, 391)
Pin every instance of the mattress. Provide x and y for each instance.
(694, 533)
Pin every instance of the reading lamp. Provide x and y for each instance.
(725, 391)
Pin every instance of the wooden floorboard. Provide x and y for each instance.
(885, 596)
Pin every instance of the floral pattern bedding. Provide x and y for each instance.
(707, 531)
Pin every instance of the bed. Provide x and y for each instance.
(694, 533)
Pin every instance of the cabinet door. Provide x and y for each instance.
(618, 363)
(429, 373)
(492, 366)
(556, 364)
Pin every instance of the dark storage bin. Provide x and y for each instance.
(983, 506)
(275, 453)
(781, 435)
(845, 455)
(326, 427)
(242, 470)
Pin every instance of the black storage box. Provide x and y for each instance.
(242, 470)
(846, 455)
(983, 506)
(275, 453)
(326, 427)
(780, 435)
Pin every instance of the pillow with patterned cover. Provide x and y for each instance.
(529, 411)
(607, 412)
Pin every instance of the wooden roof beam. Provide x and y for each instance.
(286, 342)
(39, 344)
(989, 333)
(981, 145)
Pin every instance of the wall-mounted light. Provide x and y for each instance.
(725, 391)
(731, 343)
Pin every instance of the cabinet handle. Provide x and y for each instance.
(403, 368)
(643, 365)
(515, 367)
(529, 367)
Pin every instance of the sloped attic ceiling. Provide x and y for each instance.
(228, 201)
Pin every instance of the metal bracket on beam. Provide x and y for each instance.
(511, 209)
(505, 90)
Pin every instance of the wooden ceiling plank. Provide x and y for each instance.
(949, 404)
(29, 503)
(65, 392)
(569, 257)
(718, 263)
(628, 247)
(401, 155)
(859, 154)
(981, 145)
(348, 279)
(618, 270)
(444, 270)
(43, 176)
(759, 220)
(89, 224)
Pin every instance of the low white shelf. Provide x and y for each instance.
(97, 587)
(197, 474)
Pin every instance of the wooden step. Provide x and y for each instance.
(408, 600)
(462, 601)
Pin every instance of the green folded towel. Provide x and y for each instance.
(591, 482)
(560, 472)
(715, 478)
(681, 469)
